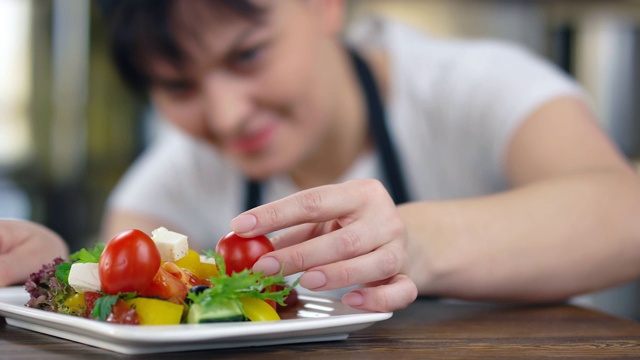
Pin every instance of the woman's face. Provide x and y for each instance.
(259, 91)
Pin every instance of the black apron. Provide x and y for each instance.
(377, 125)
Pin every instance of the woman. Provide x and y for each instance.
(403, 164)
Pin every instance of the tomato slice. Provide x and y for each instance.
(123, 313)
(166, 286)
(291, 300)
(184, 275)
(271, 303)
(90, 298)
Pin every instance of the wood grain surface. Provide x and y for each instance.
(428, 329)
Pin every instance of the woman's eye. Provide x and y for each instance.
(179, 89)
(248, 55)
(247, 59)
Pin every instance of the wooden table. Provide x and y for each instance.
(427, 329)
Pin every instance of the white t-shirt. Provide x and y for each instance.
(453, 106)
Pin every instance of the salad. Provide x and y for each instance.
(138, 279)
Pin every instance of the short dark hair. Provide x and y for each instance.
(141, 29)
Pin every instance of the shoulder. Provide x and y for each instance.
(185, 183)
(173, 151)
(422, 60)
(174, 166)
(407, 44)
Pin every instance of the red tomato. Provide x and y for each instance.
(166, 286)
(122, 313)
(273, 303)
(184, 275)
(90, 298)
(128, 263)
(290, 301)
(241, 253)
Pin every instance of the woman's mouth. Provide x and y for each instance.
(253, 142)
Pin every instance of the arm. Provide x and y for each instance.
(24, 248)
(570, 225)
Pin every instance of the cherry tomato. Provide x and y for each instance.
(241, 253)
(166, 286)
(128, 263)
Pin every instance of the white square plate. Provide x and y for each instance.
(313, 318)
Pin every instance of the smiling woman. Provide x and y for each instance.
(277, 97)
(497, 149)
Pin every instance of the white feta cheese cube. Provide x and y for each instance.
(84, 277)
(207, 260)
(172, 245)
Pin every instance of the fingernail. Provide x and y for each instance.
(353, 299)
(268, 266)
(313, 280)
(243, 223)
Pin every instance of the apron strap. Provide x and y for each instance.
(378, 127)
(252, 194)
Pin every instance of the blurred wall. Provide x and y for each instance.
(83, 122)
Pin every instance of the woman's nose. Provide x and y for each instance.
(226, 102)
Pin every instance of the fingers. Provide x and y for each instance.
(24, 248)
(342, 244)
(383, 263)
(397, 294)
(341, 235)
(295, 235)
(331, 202)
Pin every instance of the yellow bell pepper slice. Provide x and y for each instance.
(156, 312)
(258, 310)
(206, 270)
(192, 263)
(75, 303)
(189, 262)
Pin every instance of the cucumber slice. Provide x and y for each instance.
(229, 311)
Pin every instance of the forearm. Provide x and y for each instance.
(543, 242)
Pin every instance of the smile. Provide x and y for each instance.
(254, 142)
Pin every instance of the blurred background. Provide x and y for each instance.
(69, 128)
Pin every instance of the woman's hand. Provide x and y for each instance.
(343, 235)
(24, 248)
